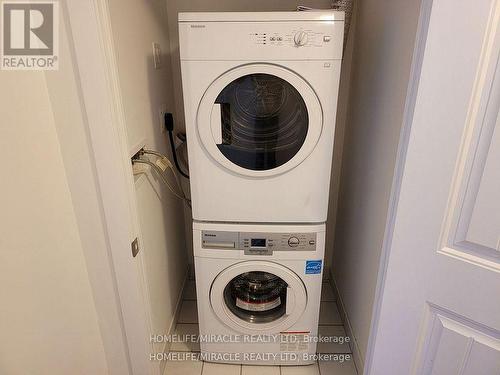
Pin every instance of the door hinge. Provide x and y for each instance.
(135, 247)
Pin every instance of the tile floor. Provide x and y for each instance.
(330, 324)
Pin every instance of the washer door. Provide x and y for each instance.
(259, 120)
(258, 297)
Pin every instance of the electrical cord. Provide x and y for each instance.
(164, 180)
(167, 163)
(152, 152)
(169, 125)
(174, 153)
(157, 169)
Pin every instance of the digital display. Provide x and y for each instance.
(258, 242)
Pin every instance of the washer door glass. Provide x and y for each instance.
(264, 121)
(256, 297)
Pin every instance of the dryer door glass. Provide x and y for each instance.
(264, 121)
(256, 297)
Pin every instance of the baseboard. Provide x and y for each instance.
(356, 353)
(173, 323)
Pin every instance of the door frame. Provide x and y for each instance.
(115, 276)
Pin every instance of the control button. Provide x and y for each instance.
(279, 39)
(327, 38)
(300, 38)
(312, 242)
(293, 242)
(272, 38)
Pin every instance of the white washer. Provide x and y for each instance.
(258, 291)
(260, 97)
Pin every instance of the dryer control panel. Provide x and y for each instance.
(297, 37)
(261, 41)
(258, 243)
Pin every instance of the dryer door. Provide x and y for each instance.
(258, 297)
(259, 120)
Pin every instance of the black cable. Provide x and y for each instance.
(169, 125)
(174, 153)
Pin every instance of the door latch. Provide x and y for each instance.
(135, 247)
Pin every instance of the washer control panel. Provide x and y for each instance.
(258, 243)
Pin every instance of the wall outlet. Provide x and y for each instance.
(162, 111)
(156, 55)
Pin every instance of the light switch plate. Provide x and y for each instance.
(156, 55)
(161, 112)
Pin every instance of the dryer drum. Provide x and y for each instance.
(264, 121)
(256, 296)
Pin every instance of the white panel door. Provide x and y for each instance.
(439, 311)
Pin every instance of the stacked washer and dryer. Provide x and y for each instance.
(260, 95)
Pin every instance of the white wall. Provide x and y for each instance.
(338, 147)
(135, 26)
(48, 319)
(383, 47)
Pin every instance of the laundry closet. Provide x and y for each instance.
(202, 66)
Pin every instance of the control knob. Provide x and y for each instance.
(300, 38)
(293, 242)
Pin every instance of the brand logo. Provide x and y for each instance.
(313, 266)
(197, 26)
(30, 37)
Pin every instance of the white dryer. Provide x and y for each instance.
(258, 291)
(260, 96)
